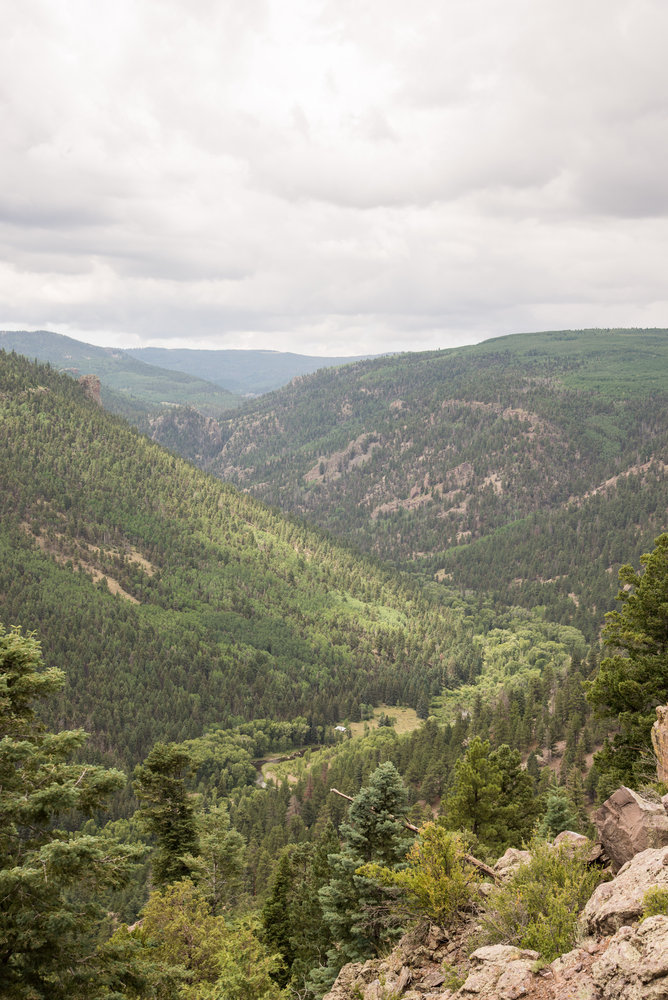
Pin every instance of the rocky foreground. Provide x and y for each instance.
(620, 956)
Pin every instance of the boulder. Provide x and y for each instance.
(627, 824)
(620, 902)
(660, 743)
(501, 972)
(635, 965)
(509, 862)
(572, 841)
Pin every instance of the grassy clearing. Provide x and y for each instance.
(406, 720)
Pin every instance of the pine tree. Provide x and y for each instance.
(277, 917)
(355, 907)
(559, 815)
(166, 810)
(49, 919)
(491, 796)
(634, 679)
(219, 868)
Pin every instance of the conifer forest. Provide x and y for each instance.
(282, 677)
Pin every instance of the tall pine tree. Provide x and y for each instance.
(49, 920)
(355, 907)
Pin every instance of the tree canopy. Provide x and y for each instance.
(633, 680)
(49, 876)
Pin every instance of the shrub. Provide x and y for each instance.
(655, 902)
(436, 883)
(539, 905)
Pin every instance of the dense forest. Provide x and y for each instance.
(176, 602)
(466, 465)
(191, 845)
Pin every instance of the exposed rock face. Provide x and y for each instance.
(620, 902)
(635, 965)
(628, 824)
(569, 976)
(412, 971)
(660, 743)
(91, 386)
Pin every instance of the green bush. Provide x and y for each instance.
(436, 882)
(539, 905)
(655, 902)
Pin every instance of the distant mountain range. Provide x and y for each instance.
(130, 387)
(248, 373)
(526, 468)
(138, 382)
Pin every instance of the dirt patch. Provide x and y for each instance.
(80, 564)
(331, 467)
(633, 470)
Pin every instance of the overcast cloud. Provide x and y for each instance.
(332, 176)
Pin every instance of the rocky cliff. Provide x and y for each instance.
(619, 956)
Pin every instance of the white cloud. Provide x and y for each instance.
(328, 176)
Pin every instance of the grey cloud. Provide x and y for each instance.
(340, 175)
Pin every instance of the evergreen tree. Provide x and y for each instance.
(277, 916)
(354, 906)
(633, 681)
(49, 919)
(491, 796)
(292, 915)
(559, 815)
(166, 811)
(219, 867)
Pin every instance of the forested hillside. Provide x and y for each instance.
(130, 386)
(198, 632)
(174, 602)
(471, 465)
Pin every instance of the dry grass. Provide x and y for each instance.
(406, 720)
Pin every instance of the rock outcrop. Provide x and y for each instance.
(499, 971)
(414, 970)
(621, 956)
(627, 824)
(660, 743)
(635, 963)
(509, 862)
(567, 839)
(620, 902)
(91, 386)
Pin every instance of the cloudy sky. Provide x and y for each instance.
(332, 176)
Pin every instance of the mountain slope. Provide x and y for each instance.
(244, 372)
(173, 602)
(129, 386)
(527, 466)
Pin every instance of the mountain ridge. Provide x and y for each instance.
(423, 458)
